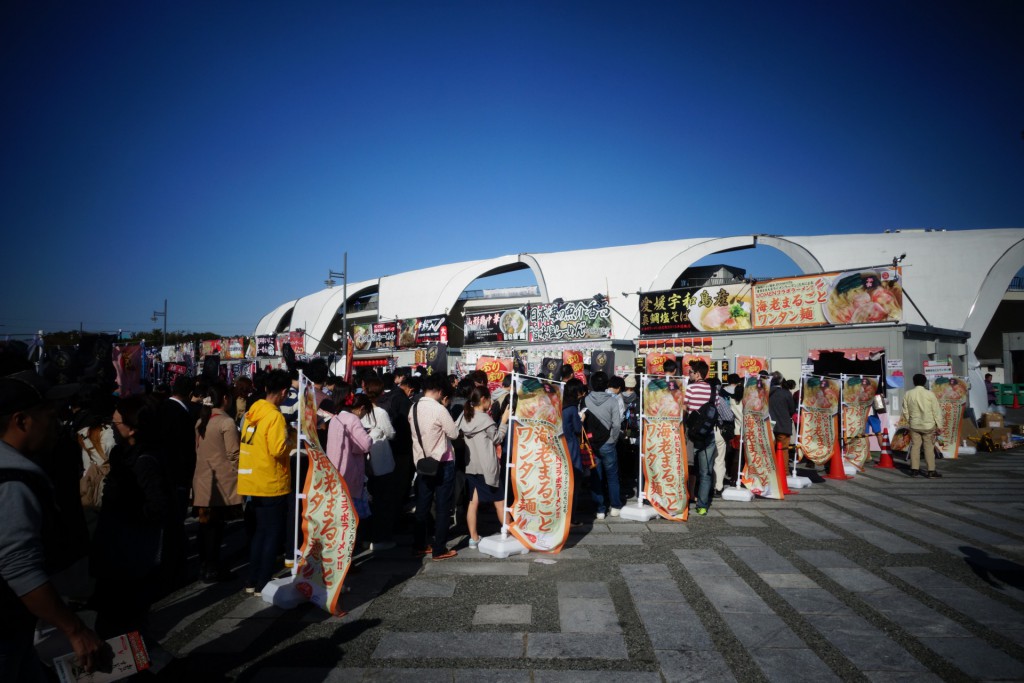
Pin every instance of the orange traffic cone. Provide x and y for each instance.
(780, 468)
(1016, 402)
(885, 459)
(835, 465)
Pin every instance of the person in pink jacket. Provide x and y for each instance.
(348, 442)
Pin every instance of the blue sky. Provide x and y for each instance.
(225, 155)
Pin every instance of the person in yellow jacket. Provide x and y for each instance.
(921, 409)
(264, 475)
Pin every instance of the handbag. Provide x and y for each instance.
(381, 460)
(426, 465)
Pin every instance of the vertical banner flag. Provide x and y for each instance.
(495, 368)
(575, 359)
(329, 518)
(858, 396)
(437, 359)
(820, 403)
(655, 362)
(759, 473)
(663, 444)
(750, 365)
(952, 394)
(551, 368)
(128, 368)
(542, 479)
(603, 361)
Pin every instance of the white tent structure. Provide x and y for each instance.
(955, 279)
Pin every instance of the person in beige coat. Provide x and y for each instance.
(214, 486)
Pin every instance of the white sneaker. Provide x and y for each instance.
(615, 512)
(600, 515)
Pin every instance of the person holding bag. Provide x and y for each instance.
(433, 430)
(380, 467)
(483, 471)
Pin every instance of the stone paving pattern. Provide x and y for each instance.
(881, 578)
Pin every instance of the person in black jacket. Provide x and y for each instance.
(781, 407)
(136, 514)
(176, 424)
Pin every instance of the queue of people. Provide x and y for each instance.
(417, 450)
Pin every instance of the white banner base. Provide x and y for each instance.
(737, 494)
(638, 513)
(282, 593)
(796, 482)
(851, 470)
(496, 546)
(968, 450)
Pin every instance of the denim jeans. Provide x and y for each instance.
(269, 518)
(606, 473)
(437, 489)
(704, 461)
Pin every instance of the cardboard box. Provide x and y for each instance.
(968, 431)
(994, 420)
(1001, 435)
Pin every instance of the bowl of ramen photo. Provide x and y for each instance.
(361, 338)
(512, 324)
(734, 315)
(864, 296)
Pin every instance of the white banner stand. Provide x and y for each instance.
(795, 481)
(639, 512)
(737, 493)
(502, 545)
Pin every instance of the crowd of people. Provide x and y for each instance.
(420, 454)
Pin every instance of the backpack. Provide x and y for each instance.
(700, 423)
(597, 433)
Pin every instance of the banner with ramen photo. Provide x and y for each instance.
(820, 397)
(329, 518)
(663, 444)
(952, 394)
(858, 396)
(759, 474)
(542, 479)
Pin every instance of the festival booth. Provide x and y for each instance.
(537, 339)
(839, 335)
(403, 342)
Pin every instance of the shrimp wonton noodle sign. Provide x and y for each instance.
(818, 410)
(329, 518)
(541, 469)
(662, 442)
(858, 396)
(952, 395)
(759, 473)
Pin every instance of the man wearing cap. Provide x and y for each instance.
(28, 428)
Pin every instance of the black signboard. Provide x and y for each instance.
(437, 359)
(665, 312)
(375, 336)
(570, 320)
(266, 345)
(496, 326)
(419, 331)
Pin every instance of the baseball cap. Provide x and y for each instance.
(25, 390)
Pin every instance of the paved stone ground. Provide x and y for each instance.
(881, 578)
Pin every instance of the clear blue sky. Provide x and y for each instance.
(223, 155)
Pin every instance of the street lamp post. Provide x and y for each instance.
(162, 314)
(344, 295)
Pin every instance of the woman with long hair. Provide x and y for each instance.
(215, 483)
(133, 520)
(381, 467)
(572, 428)
(483, 469)
(348, 442)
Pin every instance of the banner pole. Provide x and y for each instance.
(842, 417)
(508, 455)
(298, 458)
(640, 446)
(799, 420)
